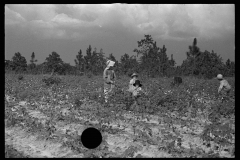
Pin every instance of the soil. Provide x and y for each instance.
(129, 136)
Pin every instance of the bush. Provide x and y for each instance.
(20, 77)
(89, 75)
(51, 80)
(23, 95)
(77, 103)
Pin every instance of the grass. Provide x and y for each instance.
(10, 152)
(82, 96)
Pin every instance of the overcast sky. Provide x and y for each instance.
(116, 28)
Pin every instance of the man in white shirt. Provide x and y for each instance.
(224, 87)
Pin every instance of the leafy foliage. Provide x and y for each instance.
(51, 80)
(32, 64)
(202, 64)
(54, 63)
(79, 61)
(191, 109)
(19, 63)
(150, 61)
(20, 77)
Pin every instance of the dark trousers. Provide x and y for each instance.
(225, 95)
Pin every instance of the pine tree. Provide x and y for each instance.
(54, 63)
(88, 59)
(79, 61)
(228, 63)
(32, 62)
(125, 63)
(101, 61)
(164, 61)
(172, 61)
(194, 52)
(19, 63)
(146, 51)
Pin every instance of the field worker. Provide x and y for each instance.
(109, 79)
(224, 85)
(134, 77)
(137, 88)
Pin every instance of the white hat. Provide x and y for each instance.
(134, 74)
(110, 63)
(219, 76)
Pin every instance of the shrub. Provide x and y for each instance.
(89, 75)
(51, 80)
(176, 81)
(23, 95)
(20, 77)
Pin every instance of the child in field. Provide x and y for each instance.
(134, 77)
(109, 77)
(137, 93)
(224, 86)
(137, 90)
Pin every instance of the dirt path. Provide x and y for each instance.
(153, 132)
(28, 144)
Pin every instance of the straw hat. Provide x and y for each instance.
(134, 74)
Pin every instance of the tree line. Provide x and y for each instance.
(150, 60)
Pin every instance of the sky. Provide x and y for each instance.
(116, 28)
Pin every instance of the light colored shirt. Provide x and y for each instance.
(136, 91)
(131, 87)
(224, 85)
(108, 76)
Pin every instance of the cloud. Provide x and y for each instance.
(12, 17)
(145, 26)
(213, 20)
(31, 12)
(64, 20)
(169, 21)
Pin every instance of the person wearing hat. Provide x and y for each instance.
(134, 77)
(137, 91)
(224, 85)
(109, 78)
(137, 88)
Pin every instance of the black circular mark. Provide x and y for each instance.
(91, 138)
